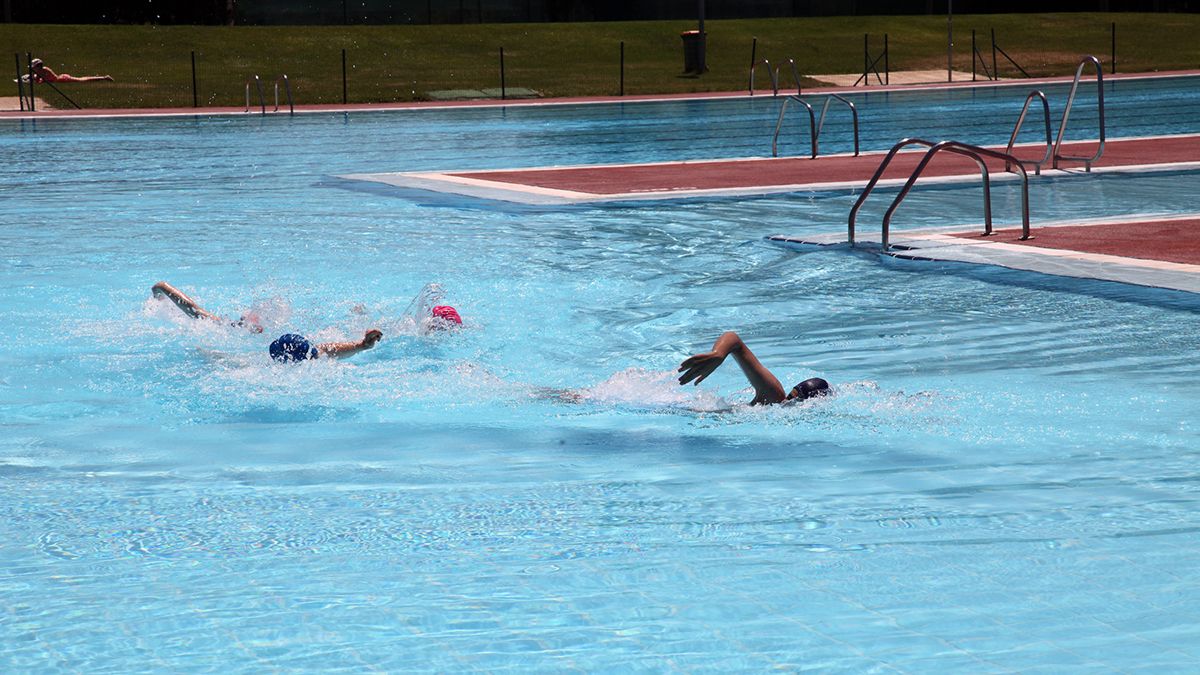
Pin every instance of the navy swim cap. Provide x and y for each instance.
(292, 347)
(813, 386)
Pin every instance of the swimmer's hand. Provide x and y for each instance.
(700, 366)
(343, 349)
(371, 338)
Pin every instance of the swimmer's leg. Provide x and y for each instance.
(182, 301)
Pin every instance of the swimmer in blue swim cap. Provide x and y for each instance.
(292, 347)
(767, 389)
(188, 306)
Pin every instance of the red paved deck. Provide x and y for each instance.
(1166, 240)
(765, 173)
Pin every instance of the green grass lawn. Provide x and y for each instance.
(152, 64)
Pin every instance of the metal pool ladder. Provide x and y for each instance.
(1053, 151)
(974, 152)
(814, 126)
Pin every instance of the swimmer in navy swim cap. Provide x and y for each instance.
(292, 347)
(188, 306)
(767, 389)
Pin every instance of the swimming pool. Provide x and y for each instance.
(1005, 481)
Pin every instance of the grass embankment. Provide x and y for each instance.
(152, 65)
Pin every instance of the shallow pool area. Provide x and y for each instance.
(1006, 479)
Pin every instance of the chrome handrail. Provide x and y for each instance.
(288, 89)
(956, 147)
(261, 101)
(1037, 166)
(1087, 161)
(853, 112)
(812, 125)
(795, 74)
(770, 73)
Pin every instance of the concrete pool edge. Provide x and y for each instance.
(947, 245)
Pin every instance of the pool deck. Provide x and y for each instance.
(766, 175)
(1144, 251)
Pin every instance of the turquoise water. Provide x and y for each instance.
(1005, 481)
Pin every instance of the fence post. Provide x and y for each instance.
(974, 51)
(20, 82)
(345, 100)
(622, 67)
(866, 59)
(753, 59)
(887, 70)
(995, 73)
(1113, 59)
(29, 64)
(502, 89)
(195, 94)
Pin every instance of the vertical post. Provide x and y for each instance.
(622, 67)
(995, 73)
(974, 51)
(29, 64)
(949, 40)
(753, 60)
(503, 94)
(887, 69)
(345, 100)
(195, 93)
(866, 60)
(701, 62)
(20, 83)
(1113, 58)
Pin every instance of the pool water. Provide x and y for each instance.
(1006, 479)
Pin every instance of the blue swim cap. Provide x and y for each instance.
(292, 347)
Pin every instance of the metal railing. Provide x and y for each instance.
(261, 100)
(795, 74)
(1037, 166)
(972, 151)
(1062, 129)
(812, 124)
(815, 125)
(770, 73)
(288, 89)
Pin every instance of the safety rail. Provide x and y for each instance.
(795, 74)
(853, 114)
(812, 124)
(815, 125)
(770, 73)
(974, 152)
(1062, 129)
(1037, 166)
(261, 100)
(288, 89)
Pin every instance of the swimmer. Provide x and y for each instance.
(42, 73)
(428, 315)
(292, 347)
(767, 389)
(188, 306)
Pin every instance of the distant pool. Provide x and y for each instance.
(1006, 480)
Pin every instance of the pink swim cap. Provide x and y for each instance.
(447, 313)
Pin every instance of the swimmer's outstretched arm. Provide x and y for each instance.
(344, 349)
(767, 388)
(182, 301)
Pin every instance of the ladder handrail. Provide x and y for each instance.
(795, 74)
(1087, 161)
(812, 125)
(261, 100)
(956, 147)
(770, 73)
(287, 88)
(853, 112)
(1037, 166)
